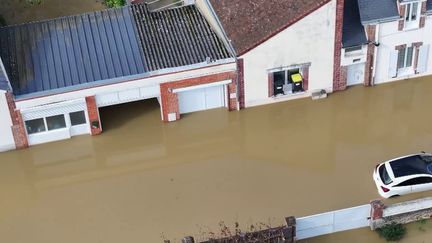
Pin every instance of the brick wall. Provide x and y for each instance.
(423, 13)
(240, 78)
(93, 114)
(270, 78)
(305, 72)
(18, 129)
(417, 46)
(338, 84)
(370, 32)
(402, 9)
(169, 99)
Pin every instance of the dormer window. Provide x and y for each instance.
(412, 12)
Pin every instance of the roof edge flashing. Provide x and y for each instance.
(380, 21)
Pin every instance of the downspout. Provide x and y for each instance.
(376, 45)
(230, 47)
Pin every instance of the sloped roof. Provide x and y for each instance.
(72, 50)
(372, 11)
(177, 37)
(113, 45)
(353, 31)
(429, 6)
(249, 23)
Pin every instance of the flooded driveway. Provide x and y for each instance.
(143, 180)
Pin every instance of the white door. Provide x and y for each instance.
(355, 74)
(201, 99)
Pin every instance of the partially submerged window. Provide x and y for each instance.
(35, 126)
(77, 118)
(55, 122)
(287, 82)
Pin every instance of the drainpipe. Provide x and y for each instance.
(377, 43)
(230, 47)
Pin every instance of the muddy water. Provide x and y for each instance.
(143, 180)
(20, 11)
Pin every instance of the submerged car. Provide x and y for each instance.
(404, 175)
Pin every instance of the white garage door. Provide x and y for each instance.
(201, 99)
(355, 74)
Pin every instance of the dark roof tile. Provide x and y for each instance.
(353, 31)
(371, 11)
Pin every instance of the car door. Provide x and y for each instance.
(403, 187)
(422, 183)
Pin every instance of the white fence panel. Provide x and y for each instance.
(335, 221)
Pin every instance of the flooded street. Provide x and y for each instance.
(143, 180)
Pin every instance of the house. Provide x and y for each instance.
(391, 41)
(56, 74)
(285, 49)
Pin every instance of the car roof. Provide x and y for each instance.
(409, 165)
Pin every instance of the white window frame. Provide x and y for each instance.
(410, 22)
(407, 64)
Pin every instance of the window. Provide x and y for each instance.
(55, 122)
(77, 118)
(384, 175)
(353, 48)
(405, 57)
(412, 15)
(284, 84)
(416, 181)
(35, 126)
(411, 12)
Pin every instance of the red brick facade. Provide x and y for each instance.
(423, 13)
(169, 99)
(338, 83)
(369, 66)
(402, 16)
(93, 114)
(305, 72)
(240, 79)
(18, 129)
(270, 78)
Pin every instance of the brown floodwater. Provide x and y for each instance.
(143, 180)
(23, 11)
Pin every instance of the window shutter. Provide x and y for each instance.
(393, 63)
(423, 59)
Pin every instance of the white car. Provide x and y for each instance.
(404, 175)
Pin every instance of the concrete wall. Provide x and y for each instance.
(389, 37)
(310, 40)
(7, 141)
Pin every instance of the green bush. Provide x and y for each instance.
(114, 3)
(392, 232)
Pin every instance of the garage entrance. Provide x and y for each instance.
(201, 99)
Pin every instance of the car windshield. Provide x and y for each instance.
(416, 164)
(384, 175)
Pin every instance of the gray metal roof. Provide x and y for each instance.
(372, 11)
(353, 31)
(176, 37)
(69, 51)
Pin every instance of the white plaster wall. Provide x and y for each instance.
(389, 37)
(310, 40)
(145, 83)
(6, 137)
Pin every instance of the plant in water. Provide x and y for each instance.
(392, 232)
(114, 3)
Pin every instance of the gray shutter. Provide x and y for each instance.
(423, 59)
(393, 63)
